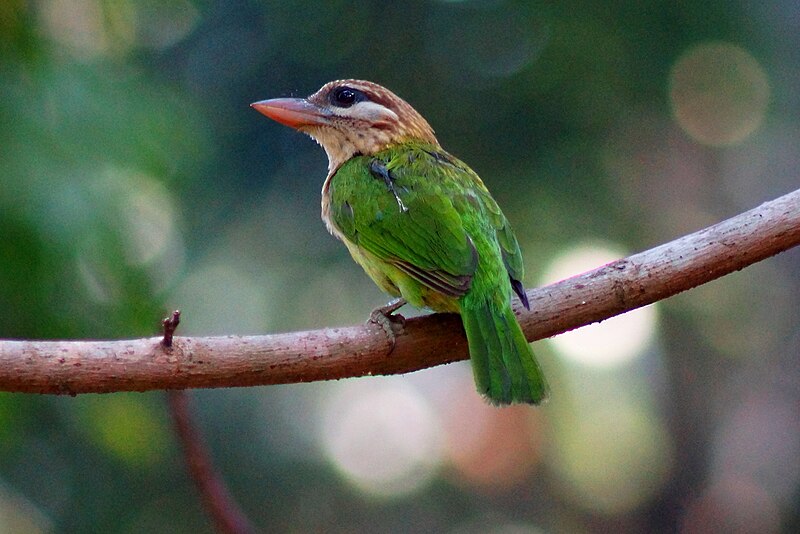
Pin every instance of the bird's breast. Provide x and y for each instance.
(326, 208)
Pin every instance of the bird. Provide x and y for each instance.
(421, 224)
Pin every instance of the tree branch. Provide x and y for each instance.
(214, 494)
(72, 367)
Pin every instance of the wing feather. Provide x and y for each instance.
(414, 208)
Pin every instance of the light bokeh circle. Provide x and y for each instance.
(614, 341)
(382, 436)
(719, 93)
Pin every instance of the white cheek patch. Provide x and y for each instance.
(368, 111)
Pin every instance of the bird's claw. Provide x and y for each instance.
(391, 323)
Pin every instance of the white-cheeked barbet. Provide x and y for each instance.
(421, 223)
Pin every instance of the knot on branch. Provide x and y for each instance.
(170, 324)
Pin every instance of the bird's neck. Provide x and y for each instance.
(342, 147)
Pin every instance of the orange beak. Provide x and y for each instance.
(293, 112)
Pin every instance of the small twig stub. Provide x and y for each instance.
(170, 324)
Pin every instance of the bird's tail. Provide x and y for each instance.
(503, 363)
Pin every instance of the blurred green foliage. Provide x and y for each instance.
(134, 179)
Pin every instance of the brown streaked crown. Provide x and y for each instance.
(362, 117)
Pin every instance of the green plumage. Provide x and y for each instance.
(423, 226)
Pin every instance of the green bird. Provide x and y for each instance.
(421, 223)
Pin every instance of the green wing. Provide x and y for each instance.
(425, 212)
(509, 250)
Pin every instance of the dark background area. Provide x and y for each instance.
(135, 179)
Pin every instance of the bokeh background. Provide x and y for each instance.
(135, 179)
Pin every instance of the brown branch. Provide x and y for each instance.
(214, 493)
(71, 367)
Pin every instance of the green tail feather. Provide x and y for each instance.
(505, 369)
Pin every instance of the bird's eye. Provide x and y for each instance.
(344, 97)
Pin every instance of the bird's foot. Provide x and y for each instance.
(391, 323)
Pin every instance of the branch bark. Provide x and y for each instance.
(72, 367)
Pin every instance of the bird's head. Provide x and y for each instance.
(350, 117)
